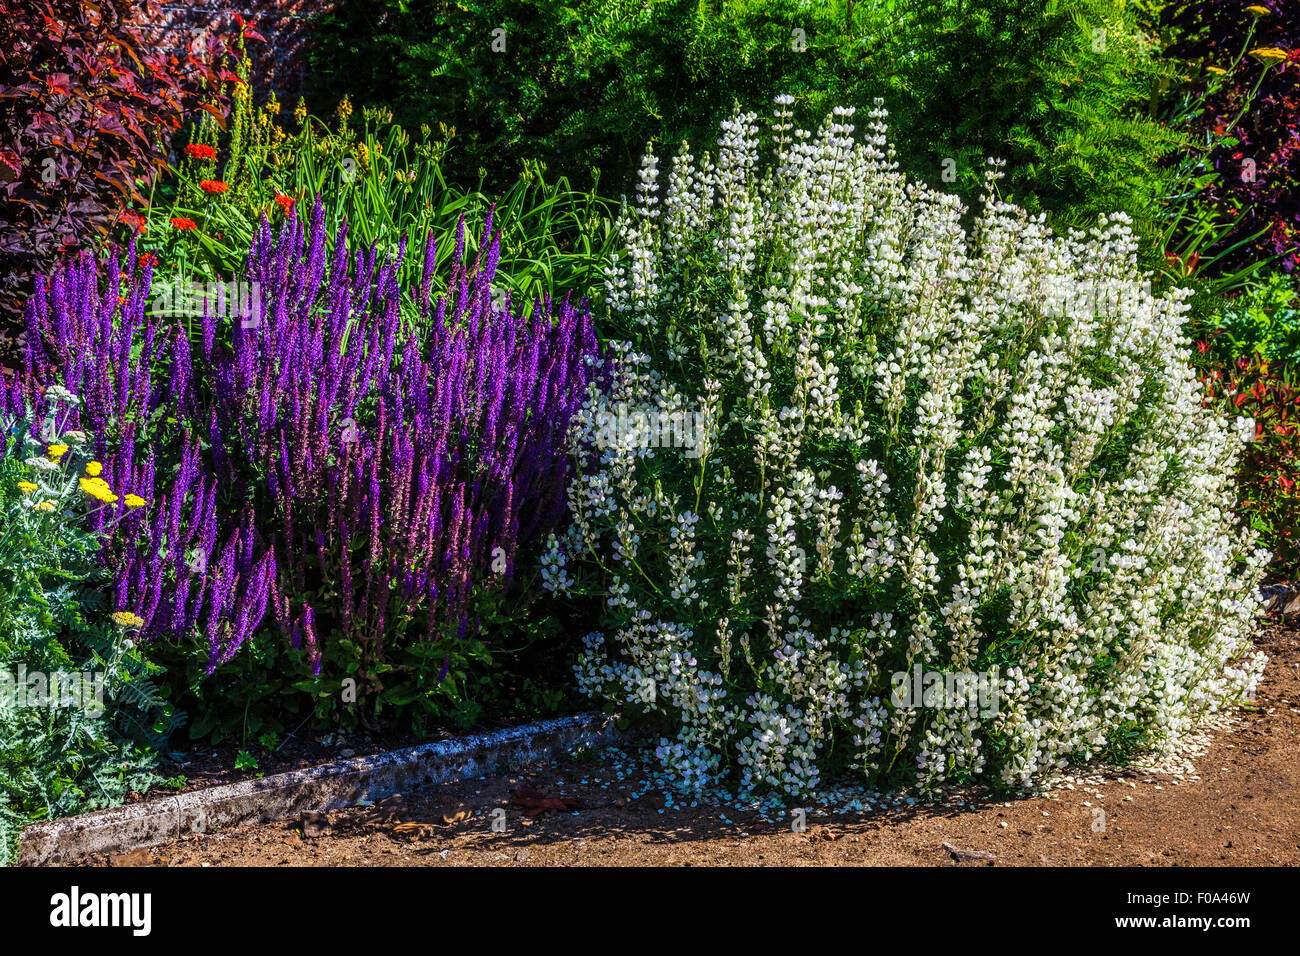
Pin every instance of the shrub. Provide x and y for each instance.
(908, 450)
(1264, 319)
(1269, 474)
(88, 108)
(1248, 355)
(364, 482)
(80, 720)
(1069, 92)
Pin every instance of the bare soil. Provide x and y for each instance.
(1237, 807)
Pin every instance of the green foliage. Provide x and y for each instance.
(1265, 322)
(1069, 92)
(96, 739)
(1249, 357)
(245, 761)
(269, 689)
(386, 184)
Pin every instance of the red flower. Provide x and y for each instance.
(284, 202)
(147, 260)
(183, 223)
(211, 186)
(200, 151)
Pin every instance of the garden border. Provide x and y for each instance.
(325, 787)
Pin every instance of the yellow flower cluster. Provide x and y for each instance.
(1269, 54)
(98, 488)
(26, 486)
(57, 451)
(46, 506)
(135, 501)
(127, 619)
(94, 468)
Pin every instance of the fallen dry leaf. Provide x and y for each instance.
(457, 815)
(413, 831)
(385, 810)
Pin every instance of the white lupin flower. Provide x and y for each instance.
(922, 447)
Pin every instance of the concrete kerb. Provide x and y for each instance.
(327, 787)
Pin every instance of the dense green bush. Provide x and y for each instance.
(1066, 91)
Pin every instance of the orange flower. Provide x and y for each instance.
(180, 222)
(211, 186)
(200, 151)
(284, 202)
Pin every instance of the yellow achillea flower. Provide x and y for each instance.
(57, 451)
(1269, 54)
(46, 506)
(98, 488)
(1259, 11)
(94, 468)
(135, 501)
(26, 486)
(127, 619)
(1216, 69)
